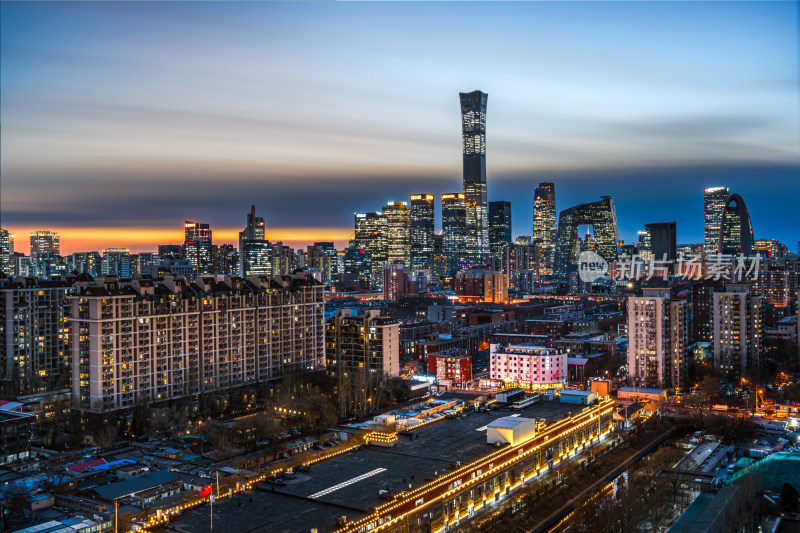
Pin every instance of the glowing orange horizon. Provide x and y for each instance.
(144, 239)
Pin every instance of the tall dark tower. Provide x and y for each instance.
(421, 230)
(473, 144)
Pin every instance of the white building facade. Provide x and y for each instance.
(533, 366)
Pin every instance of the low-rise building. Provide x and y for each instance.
(532, 366)
(453, 367)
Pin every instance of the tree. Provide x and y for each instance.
(169, 420)
(789, 498)
(411, 367)
(12, 502)
(710, 385)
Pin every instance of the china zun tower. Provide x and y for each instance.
(473, 144)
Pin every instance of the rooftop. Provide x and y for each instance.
(114, 491)
(348, 484)
(508, 422)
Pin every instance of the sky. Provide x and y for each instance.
(122, 120)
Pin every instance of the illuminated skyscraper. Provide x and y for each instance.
(544, 219)
(85, 263)
(197, 246)
(602, 216)
(499, 226)
(116, 262)
(45, 241)
(421, 230)
(255, 252)
(371, 236)
(473, 143)
(736, 230)
(398, 227)
(454, 231)
(6, 252)
(714, 199)
(644, 246)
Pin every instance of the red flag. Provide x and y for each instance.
(206, 491)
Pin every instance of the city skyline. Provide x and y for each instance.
(160, 125)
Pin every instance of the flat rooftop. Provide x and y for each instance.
(349, 483)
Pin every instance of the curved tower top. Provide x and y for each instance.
(736, 230)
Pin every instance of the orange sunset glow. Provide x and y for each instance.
(145, 239)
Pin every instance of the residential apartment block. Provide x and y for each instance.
(658, 339)
(738, 324)
(34, 335)
(148, 340)
(366, 342)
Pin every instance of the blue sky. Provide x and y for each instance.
(131, 115)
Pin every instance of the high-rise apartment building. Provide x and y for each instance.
(197, 246)
(602, 216)
(363, 343)
(421, 230)
(6, 252)
(738, 330)
(499, 227)
(776, 287)
(473, 143)
(544, 220)
(658, 339)
(736, 230)
(703, 309)
(144, 341)
(34, 335)
(714, 199)
(398, 230)
(454, 232)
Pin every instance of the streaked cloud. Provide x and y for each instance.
(142, 114)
